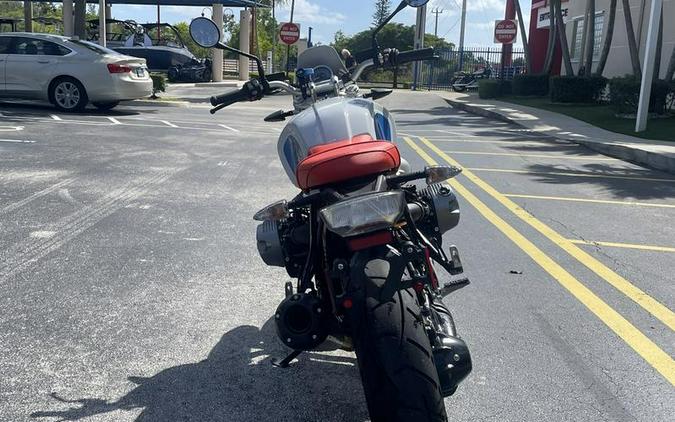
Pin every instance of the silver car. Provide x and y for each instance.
(69, 72)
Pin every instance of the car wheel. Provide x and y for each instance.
(68, 94)
(106, 106)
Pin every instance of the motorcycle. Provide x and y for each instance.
(361, 240)
(464, 80)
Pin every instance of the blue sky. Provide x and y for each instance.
(328, 16)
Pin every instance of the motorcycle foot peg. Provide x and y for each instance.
(454, 258)
(453, 286)
(283, 363)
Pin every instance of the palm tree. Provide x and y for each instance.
(590, 37)
(552, 35)
(563, 38)
(608, 39)
(632, 44)
(28, 16)
(526, 47)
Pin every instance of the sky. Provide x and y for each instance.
(352, 16)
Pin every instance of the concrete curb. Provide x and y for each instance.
(641, 157)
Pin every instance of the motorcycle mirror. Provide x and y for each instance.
(416, 3)
(436, 174)
(205, 32)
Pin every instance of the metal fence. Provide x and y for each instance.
(438, 74)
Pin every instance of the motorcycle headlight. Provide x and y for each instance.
(364, 214)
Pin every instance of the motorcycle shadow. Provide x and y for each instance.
(237, 382)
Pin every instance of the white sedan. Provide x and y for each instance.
(69, 72)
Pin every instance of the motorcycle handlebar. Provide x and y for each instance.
(415, 55)
(230, 97)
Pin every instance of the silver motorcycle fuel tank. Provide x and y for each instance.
(331, 120)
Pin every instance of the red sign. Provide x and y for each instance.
(506, 31)
(289, 33)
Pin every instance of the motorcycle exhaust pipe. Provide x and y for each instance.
(300, 322)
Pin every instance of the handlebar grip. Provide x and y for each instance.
(415, 55)
(230, 97)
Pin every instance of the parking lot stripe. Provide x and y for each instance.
(114, 121)
(572, 174)
(16, 141)
(593, 201)
(168, 123)
(623, 245)
(55, 117)
(515, 154)
(633, 337)
(648, 303)
(228, 128)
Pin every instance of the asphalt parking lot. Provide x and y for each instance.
(132, 288)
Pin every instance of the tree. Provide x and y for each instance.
(382, 11)
(608, 39)
(563, 38)
(526, 47)
(632, 44)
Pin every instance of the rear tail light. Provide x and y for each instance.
(118, 68)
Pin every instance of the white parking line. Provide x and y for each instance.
(55, 117)
(228, 128)
(17, 141)
(114, 121)
(168, 123)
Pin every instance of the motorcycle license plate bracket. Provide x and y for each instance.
(398, 263)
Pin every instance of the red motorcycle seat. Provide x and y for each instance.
(347, 159)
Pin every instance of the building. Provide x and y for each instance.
(618, 61)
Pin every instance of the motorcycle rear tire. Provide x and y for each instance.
(394, 355)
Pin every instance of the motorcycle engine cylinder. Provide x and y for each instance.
(444, 204)
(300, 321)
(269, 245)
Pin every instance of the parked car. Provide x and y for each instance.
(69, 72)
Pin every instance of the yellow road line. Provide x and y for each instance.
(649, 351)
(572, 174)
(514, 154)
(594, 201)
(650, 304)
(623, 245)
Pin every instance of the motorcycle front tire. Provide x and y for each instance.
(394, 354)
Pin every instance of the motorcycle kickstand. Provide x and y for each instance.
(283, 363)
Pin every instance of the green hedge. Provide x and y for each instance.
(577, 89)
(493, 88)
(530, 85)
(624, 94)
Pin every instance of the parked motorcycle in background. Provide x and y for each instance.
(465, 80)
(360, 239)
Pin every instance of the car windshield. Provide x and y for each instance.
(94, 47)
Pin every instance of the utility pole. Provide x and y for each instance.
(288, 47)
(420, 30)
(461, 36)
(436, 12)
